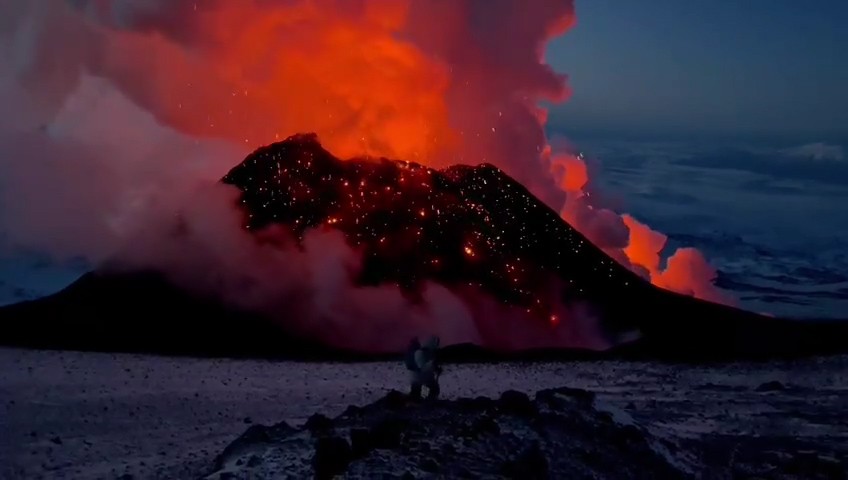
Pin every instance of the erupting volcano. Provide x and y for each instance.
(463, 227)
(514, 276)
(491, 236)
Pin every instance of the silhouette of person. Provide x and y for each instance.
(422, 363)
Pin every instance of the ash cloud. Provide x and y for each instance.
(127, 112)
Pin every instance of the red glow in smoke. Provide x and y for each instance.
(686, 271)
(434, 81)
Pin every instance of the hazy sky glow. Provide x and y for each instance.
(773, 67)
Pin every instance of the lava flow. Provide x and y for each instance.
(462, 227)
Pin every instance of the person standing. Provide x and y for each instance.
(423, 365)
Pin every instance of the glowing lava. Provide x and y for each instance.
(463, 227)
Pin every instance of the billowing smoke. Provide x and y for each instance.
(629, 241)
(312, 290)
(124, 113)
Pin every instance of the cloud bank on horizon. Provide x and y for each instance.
(818, 151)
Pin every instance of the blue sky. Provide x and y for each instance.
(775, 68)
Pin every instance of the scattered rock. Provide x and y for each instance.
(485, 425)
(256, 433)
(516, 403)
(627, 435)
(352, 411)
(318, 423)
(395, 400)
(807, 464)
(474, 404)
(248, 420)
(387, 433)
(56, 440)
(463, 472)
(773, 386)
(585, 397)
(360, 442)
(254, 436)
(332, 456)
(430, 465)
(531, 463)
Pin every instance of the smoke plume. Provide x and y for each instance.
(123, 114)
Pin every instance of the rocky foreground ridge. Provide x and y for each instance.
(560, 433)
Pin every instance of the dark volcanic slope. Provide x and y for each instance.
(143, 313)
(477, 226)
(462, 227)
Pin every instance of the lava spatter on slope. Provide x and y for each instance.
(461, 227)
(518, 277)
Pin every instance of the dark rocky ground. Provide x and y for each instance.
(96, 415)
(559, 433)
